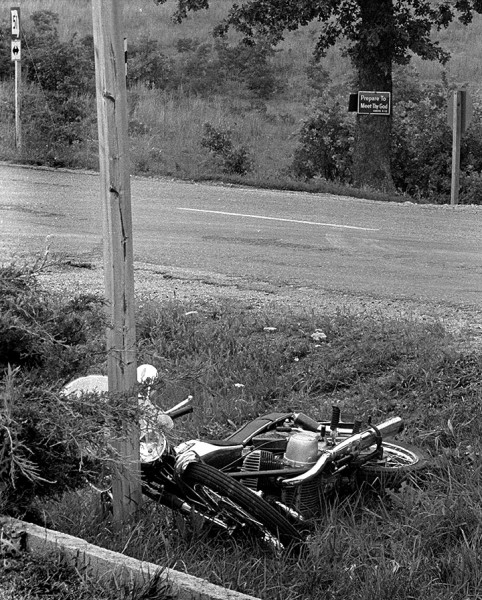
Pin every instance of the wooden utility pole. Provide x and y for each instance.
(456, 140)
(118, 246)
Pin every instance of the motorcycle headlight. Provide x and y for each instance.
(153, 444)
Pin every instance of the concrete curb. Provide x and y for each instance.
(108, 565)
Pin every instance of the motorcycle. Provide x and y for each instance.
(272, 475)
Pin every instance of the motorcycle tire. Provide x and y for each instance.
(229, 501)
(398, 463)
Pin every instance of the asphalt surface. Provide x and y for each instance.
(316, 241)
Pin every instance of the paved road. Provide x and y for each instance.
(319, 241)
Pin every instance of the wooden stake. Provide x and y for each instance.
(118, 246)
(457, 136)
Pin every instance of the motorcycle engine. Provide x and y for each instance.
(259, 460)
(266, 456)
(276, 451)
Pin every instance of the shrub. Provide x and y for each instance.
(57, 105)
(50, 443)
(325, 145)
(43, 339)
(146, 64)
(6, 69)
(197, 69)
(56, 127)
(63, 68)
(318, 77)
(250, 65)
(43, 334)
(235, 160)
(421, 146)
(208, 68)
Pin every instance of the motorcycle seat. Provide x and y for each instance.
(246, 433)
(222, 443)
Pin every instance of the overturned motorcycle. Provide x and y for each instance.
(272, 475)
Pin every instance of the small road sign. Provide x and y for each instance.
(15, 21)
(16, 50)
(374, 103)
(465, 107)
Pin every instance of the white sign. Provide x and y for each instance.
(15, 20)
(374, 103)
(16, 50)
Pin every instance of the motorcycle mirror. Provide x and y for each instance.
(145, 372)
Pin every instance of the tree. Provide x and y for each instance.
(375, 34)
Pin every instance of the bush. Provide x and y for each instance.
(422, 148)
(208, 68)
(197, 69)
(50, 443)
(43, 339)
(235, 160)
(325, 145)
(147, 65)
(43, 334)
(6, 66)
(250, 65)
(53, 123)
(57, 105)
(64, 68)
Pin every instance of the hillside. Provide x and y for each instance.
(205, 109)
(145, 18)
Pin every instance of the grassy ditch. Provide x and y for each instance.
(28, 577)
(423, 540)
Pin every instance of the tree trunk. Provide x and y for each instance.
(372, 58)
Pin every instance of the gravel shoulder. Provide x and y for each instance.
(155, 283)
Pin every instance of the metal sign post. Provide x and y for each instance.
(456, 139)
(459, 115)
(118, 246)
(16, 57)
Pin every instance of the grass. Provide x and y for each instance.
(423, 540)
(176, 127)
(46, 577)
(28, 577)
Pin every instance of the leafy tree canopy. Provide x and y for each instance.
(408, 24)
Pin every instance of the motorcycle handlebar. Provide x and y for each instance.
(358, 441)
(183, 408)
(307, 422)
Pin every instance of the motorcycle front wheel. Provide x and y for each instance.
(226, 502)
(398, 462)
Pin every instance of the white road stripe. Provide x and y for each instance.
(230, 214)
